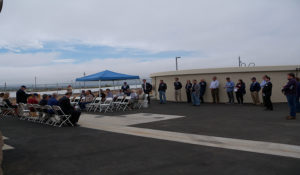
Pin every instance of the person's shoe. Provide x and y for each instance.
(76, 125)
(290, 118)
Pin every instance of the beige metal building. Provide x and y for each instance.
(278, 76)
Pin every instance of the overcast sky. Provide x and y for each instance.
(58, 40)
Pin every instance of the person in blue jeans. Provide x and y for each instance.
(290, 91)
(195, 93)
(298, 96)
(229, 89)
(162, 92)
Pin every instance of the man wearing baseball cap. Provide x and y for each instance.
(22, 95)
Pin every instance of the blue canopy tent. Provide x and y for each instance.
(107, 76)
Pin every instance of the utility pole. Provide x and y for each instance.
(35, 83)
(176, 60)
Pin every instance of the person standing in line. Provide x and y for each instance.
(202, 89)
(262, 85)
(147, 88)
(229, 89)
(254, 89)
(298, 96)
(290, 91)
(214, 86)
(188, 90)
(195, 93)
(162, 92)
(177, 86)
(240, 91)
(21, 95)
(267, 93)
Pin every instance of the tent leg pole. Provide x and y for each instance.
(99, 88)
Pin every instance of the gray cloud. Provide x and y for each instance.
(264, 31)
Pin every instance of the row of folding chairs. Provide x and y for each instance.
(49, 115)
(119, 103)
(5, 110)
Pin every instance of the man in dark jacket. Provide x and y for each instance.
(298, 96)
(21, 95)
(202, 90)
(177, 86)
(67, 108)
(147, 88)
(162, 92)
(254, 89)
(267, 93)
(290, 91)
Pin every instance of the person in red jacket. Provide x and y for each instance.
(33, 99)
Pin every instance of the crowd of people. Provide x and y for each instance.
(51, 100)
(195, 92)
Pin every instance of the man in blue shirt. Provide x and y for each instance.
(254, 89)
(229, 89)
(162, 92)
(53, 100)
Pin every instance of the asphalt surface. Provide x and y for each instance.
(41, 149)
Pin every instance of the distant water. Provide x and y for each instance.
(75, 91)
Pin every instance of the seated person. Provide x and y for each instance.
(141, 94)
(1, 97)
(68, 109)
(9, 104)
(109, 93)
(102, 95)
(33, 99)
(128, 92)
(83, 93)
(133, 99)
(88, 99)
(52, 102)
(44, 100)
(120, 94)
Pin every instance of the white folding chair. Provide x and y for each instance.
(106, 105)
(50, 118)
(75, 101)
(23, 111)
(6, 110)
(87, 106)
(142, 102)
(64, 118)
(117, 102)
(95, 105)
(124, 104)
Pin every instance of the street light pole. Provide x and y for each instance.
(176, 59)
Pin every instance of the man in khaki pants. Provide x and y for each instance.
(177, 86)
(254, 89)
(1, 154)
